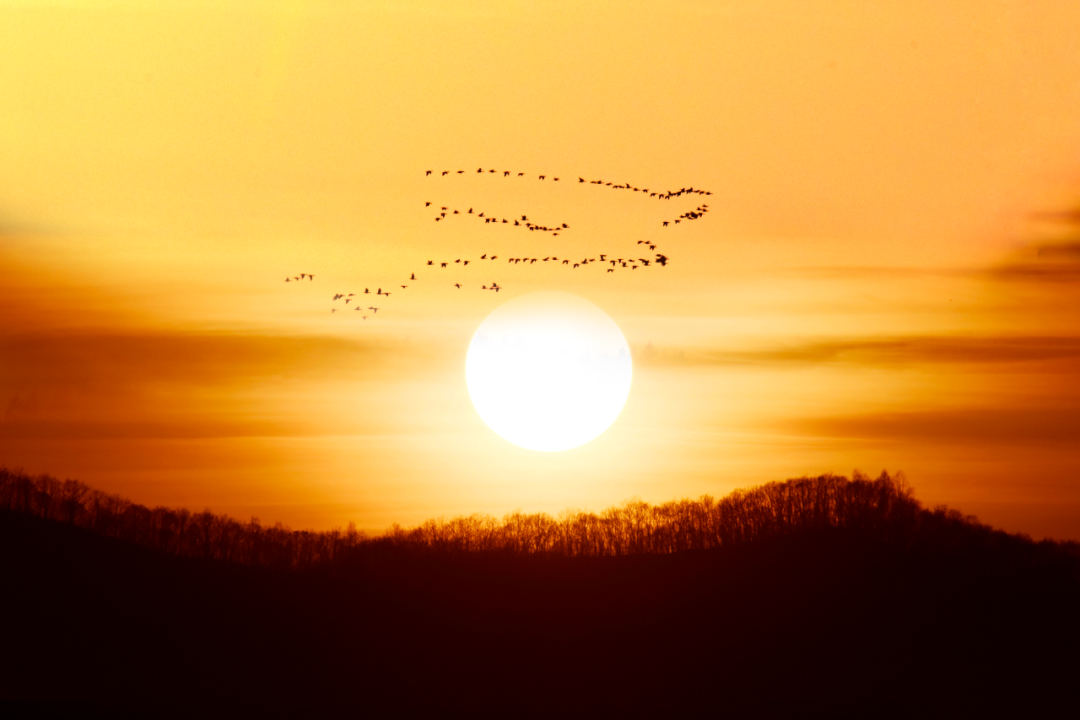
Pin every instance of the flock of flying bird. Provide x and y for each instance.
(446, 212)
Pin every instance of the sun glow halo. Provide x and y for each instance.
(548, 371)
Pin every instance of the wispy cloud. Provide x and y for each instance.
(1020, 425)
(893, 351)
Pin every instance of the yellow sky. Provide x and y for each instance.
(866, 290)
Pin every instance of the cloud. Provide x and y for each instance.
(155, 384)
(1019, 425)
(894, 351)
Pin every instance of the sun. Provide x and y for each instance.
(548, 371)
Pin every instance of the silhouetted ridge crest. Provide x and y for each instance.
(884, 508)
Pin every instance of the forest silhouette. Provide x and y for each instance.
(818, 592)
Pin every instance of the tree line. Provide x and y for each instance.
(884, 507)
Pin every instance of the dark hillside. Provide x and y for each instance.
(960, 618)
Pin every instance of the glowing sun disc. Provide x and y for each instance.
(548, 371)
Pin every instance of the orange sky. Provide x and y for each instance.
(867, 290)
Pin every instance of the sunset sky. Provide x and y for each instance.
(888, 276)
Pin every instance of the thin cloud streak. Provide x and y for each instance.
(1016, 426)
(936, 350)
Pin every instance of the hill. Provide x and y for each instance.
(951, 617)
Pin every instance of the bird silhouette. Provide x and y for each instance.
(413, 276)
(428, 172)
(457, 285)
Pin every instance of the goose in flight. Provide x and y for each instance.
(428, 172)
(457, 285)
(413, 276)
(442, 264)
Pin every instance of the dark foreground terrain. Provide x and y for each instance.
(832, 619)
